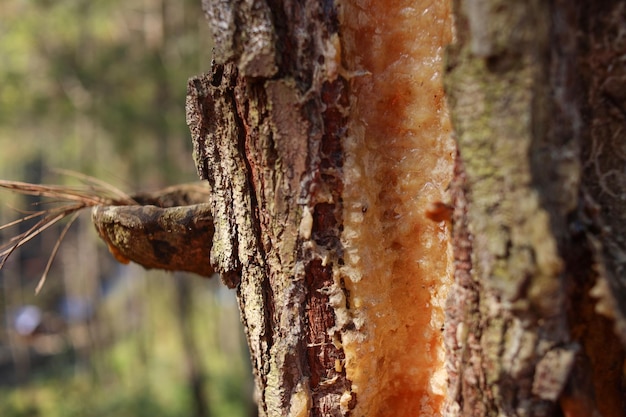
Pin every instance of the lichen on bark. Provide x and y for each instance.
(519, 116)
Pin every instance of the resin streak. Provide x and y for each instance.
(399, 158)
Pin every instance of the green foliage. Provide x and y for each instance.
(142, 373)
(89, 83)
(99, 87)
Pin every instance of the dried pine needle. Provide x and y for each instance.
(66, 201)
(57, 244)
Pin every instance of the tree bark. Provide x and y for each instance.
(535, 317)
(531, 236)
(266, 129)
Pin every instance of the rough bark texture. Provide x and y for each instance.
(266, 129)
(532, 89)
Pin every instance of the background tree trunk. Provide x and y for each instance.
(535, 228)
(536, 310)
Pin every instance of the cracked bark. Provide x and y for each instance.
(262, 123)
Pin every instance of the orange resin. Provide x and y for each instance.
(399, 158)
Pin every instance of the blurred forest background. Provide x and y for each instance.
(99, 87)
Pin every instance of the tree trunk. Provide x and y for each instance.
(345, 214)
(534, 229)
